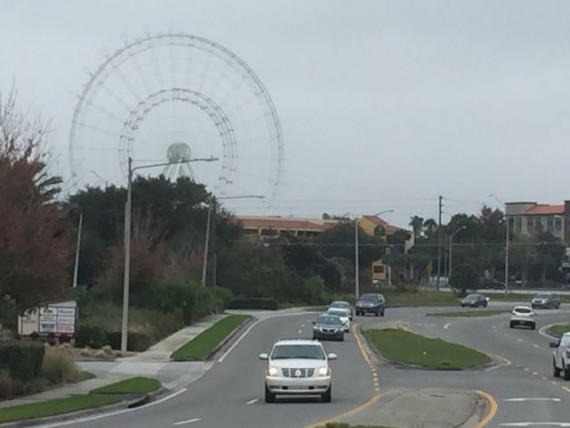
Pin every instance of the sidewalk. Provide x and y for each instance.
(155, 362)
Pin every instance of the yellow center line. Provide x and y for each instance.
(372, 399)
(492, 410)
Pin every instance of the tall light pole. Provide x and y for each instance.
(507, 239)
(127, 239)
(212, 207)
(451, 251)
(356, 253)
(77, 250)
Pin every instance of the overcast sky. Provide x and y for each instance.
(384, 105)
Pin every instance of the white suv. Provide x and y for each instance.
(561, 356)
(298, 367)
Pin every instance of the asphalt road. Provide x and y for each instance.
(524, 389)
(231, 393)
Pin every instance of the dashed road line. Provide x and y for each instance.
(255, 400)
(524, 399)
(188, 421)
(446, 326)
(536, 346)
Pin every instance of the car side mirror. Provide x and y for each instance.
(553, 344)
(513, 312)
(332, 356)
(263, 356)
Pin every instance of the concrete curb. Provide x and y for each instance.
(125, 404)
(496, 360)
(543, 333)
(236, 332)
(230, 337)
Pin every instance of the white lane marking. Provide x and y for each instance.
(565, 388)
(536, 424)
(255, 400)
(189, 421)
(446, 326)
(536, 346)
(245, 333)
(542, 332)
(535, 373)
(239, 339)
(526, 369)
(520, 340)
(521, 399)
(118, 412)
(302, 325)
(505, 334)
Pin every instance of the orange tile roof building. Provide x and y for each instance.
(528, 218)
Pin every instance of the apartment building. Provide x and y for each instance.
(528, 218)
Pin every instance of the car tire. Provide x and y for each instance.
(382, 313)
(269, 396)
(555, 370)
(376, 313)
(341, 338)
(533, 327)
(327, 396)
(512, 325)
(566, 372)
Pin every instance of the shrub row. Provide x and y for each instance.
(22, 359)
(97, 337)
(253, 303)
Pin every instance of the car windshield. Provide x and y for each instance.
(329, 320)
(340, 305)
(542, 296)
(337, 313)
(523, 310)
(472, 297)
(369, 298)
(305, 351)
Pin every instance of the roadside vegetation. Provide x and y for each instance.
(56, 406)
(404, 347)
(135, 385)
(104, 396)
(558, 329)
(473, 313)
(204, 344)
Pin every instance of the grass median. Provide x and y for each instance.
(558, 329)
(202, 345)
(469, 313)
(404, 347)
(134, 385)
(57, 406)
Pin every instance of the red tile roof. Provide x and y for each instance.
(543, 209)
(390, 229)
(283, 223)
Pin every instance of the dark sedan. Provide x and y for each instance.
(327, 327)
(474, 301)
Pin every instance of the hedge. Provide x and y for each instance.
(253, 303)
(22, 360)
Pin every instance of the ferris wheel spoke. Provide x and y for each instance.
(161, 73)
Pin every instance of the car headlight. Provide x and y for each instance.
(324, 371)
(272, 371)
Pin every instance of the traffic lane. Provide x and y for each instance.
(520, 396)
(521, 346)
(231, 393)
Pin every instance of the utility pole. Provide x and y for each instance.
(439, 243)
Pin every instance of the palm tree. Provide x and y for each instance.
(417, 224)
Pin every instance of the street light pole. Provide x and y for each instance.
(451, 251)
(507, 238)
(77, 250)
(356, 253)
(356, 269)
(127, 239)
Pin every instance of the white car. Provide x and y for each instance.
(298, 367)
(343, 314)
(523, 315)
(561, 356)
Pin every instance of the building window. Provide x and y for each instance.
(557, 224)
(550, 224)
(379, 269)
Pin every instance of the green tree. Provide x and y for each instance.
(464, 277)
